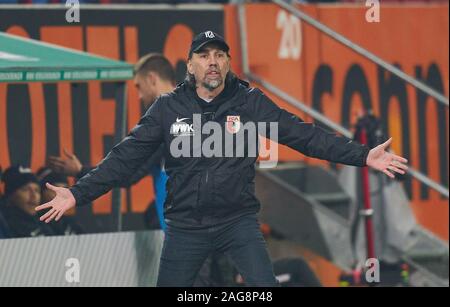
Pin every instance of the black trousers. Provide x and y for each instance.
(184, 252)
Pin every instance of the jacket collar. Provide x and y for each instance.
(228, 98)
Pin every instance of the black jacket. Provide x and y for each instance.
(23, 225)
(204, 191)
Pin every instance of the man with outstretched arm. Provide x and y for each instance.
(211, 203)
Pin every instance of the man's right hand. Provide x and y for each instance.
(62, 202)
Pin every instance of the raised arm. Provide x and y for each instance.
(314, 141)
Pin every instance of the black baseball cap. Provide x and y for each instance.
(16, 177)
(200, 40)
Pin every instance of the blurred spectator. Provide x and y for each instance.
(22, 194)
(66, 226)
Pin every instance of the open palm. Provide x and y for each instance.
(382, 160)
(62, 202)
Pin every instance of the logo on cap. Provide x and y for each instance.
(24, 170)
(209, 34)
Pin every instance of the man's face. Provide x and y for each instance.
(146, 86)
(209, 66)
(27, 197)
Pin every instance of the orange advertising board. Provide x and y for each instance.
(331, 78)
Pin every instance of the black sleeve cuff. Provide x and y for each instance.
(77, 195)
(84, 170)
(366, 150)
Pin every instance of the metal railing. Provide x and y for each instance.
(365, 53)
(317, 115)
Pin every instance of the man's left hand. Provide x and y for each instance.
(380, 159)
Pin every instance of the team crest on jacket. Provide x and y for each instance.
(233, 123)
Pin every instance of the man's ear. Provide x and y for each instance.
(189, 67)
(151, 77)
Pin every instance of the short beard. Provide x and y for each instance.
(212, 85)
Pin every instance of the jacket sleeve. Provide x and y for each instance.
(307, 138)
(145, 169)
(124, 159)
(84, 170)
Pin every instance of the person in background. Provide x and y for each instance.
(22, 194)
